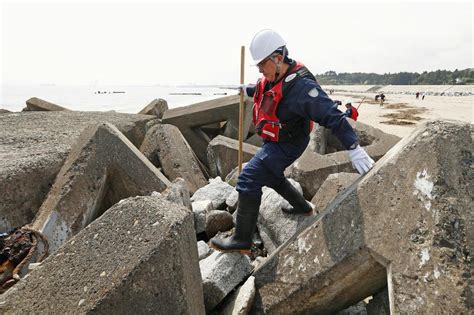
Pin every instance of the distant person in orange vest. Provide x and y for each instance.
(351, 111)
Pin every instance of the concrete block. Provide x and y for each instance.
(331, 187)
(165, 147)
(177, 193)
(34, 145)
(138, 257)
(189, 119)
(36, 104)
(318, 139)
(406, 224)
(156, 107)
(232, 125)
(103, 168)
(255, 140)
(233, 176)
(223, 155)
(312, 168)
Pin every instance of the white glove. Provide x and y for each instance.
(361, 161)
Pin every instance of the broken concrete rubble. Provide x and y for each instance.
(217, 191)
(351, 252)
(221, 273)
(165, 147)
(139, 257)
(232, 201)
(406, 224)
(103, 168)
(34, 145)
(203, 250)
(200, 210)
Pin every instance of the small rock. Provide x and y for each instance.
(203, 250)
(200, 209)
(218, 220)
(232, 201)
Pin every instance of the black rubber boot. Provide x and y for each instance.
(247, 214)
(296, 200)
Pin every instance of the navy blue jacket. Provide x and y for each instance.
(305, 101)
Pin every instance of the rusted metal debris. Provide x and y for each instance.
(17, 248)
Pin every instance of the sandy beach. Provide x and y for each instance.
(401, 113)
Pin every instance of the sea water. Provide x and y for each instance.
(124, 99)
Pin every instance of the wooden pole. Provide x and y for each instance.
(361, 102)
(241, 108)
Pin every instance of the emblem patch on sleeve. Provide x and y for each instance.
(290, 77)
(313, 92)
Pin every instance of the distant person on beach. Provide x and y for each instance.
(423, 96)
(286, 100)
(351, 111)
(417, 95)
(382, 99)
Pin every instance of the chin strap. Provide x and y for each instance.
(277, 72)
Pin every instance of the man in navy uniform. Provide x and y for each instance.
(287, 99)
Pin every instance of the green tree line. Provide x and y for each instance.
(438, 77)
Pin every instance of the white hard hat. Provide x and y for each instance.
(348, 101)
(264, 43)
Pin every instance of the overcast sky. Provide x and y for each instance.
(178, 42)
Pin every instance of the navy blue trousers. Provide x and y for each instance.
(267, 166)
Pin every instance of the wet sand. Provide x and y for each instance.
(401, 113)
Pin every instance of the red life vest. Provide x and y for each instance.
(354, 113)
(267, 124)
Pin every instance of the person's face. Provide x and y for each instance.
(267, 67)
